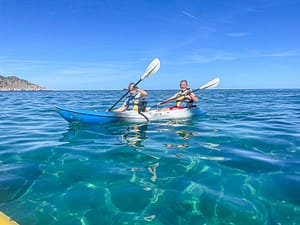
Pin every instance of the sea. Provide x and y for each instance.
(237, 164)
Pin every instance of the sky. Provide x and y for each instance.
(105, 44)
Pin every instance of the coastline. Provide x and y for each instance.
(14, 83)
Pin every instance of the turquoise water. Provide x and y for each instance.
(238, 164)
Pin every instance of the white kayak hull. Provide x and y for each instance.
(95, 117)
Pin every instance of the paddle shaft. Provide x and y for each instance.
(171, 99)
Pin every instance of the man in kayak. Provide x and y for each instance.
(185, 98)
(135, 100)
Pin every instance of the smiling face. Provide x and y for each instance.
(183, 85)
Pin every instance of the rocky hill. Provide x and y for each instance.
(14, 83)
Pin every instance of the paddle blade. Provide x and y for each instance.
(211, 84)
(151, 69)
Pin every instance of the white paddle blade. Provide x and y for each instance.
(152, 68)
(211, 84)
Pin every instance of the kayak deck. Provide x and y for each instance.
(97, 117)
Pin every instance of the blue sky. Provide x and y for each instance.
(105, 44)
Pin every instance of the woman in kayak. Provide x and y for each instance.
(185, 98)
(135, 100)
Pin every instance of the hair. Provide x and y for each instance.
(184, 81)
(131, 83)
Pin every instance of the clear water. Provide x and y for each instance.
(238, 164)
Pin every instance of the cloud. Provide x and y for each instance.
(214, 56)
(208, 57)
(238, 34)
(254, 10)
(278, 54)
(56, 74)
(190, 15)
(62, 67)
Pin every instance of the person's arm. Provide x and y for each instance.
(190, 95)
(194, 97)
(143, 92)
(120, 109)
(123, 107)
(168, 99)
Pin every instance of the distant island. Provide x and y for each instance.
(14, 83)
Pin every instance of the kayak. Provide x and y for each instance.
(97, 117)
(4, 219)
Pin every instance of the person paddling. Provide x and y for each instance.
(135, 99)
(185, 98)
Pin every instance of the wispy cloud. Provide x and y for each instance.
(238, 34)
(278, 54)
(271, 54)
(254, 10)
(64, 67)
(212, 57)
(208, 57)
(46, 72)
(190, 15)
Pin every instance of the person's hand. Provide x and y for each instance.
(188, 97)
(187, 92)
(158, 104)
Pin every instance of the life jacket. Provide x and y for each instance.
(135, 102)
(182, 101)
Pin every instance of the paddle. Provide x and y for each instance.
(211, 84)
(151, 69)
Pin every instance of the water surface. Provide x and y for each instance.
(238, 164)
